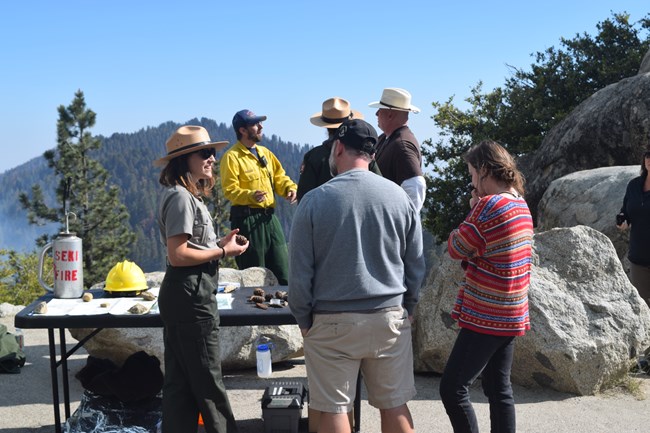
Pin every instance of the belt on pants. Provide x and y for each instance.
(210, 267)
(244, 211)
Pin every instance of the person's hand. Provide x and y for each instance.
(623, 226)
(474, 199)
(230, 245)
(259, 196)
(411, 318)
(304, 332)
(292, 196)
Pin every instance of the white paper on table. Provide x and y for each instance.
(60, 307)
(93, 307)
(123, 304)
(79, 307)
(224, 301)
(154, 308)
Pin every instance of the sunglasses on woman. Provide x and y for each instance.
(207, 152)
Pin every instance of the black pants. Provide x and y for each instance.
(472, 354)
(193, 381)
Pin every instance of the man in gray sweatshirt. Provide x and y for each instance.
(356, 264)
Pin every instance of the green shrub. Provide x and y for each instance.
(19, 277)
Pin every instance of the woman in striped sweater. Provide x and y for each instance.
(494, 246)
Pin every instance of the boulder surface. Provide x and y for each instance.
(589, 323)
(591, 198)
(611, 127)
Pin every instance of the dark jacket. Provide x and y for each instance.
(315, 169)
(636, 207)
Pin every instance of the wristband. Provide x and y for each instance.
(223, 251)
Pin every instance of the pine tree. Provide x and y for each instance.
(84, 189)
(220, 213)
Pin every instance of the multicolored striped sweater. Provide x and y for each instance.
(494, 243)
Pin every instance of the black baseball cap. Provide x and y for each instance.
(246, 118)
(358, 134)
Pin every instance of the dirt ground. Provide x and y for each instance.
(26, 400)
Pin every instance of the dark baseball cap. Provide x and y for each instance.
(246, 118)
(358, 134)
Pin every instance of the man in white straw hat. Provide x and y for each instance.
(398, 152)
(250, 176)
(188, 309)
(315, 168)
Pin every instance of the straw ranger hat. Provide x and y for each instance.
(188, 139)
(395, 99)
(335, 111)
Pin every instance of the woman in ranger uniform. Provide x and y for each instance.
(188, 306)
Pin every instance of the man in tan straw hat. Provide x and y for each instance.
(398, 152)
(188, 309)
(315, 168)
(250, 176)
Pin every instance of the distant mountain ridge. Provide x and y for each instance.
(129, 159)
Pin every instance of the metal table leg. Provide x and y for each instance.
(63, 362)
(64, 374)
(55, 381)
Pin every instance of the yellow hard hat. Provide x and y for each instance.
(126, 276)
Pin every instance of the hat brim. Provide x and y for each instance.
(317, 119)
(243, 123)
(378, 104)
(253, 120)
(218, 145)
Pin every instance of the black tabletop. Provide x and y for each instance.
(243, 313)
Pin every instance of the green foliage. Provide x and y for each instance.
(19, 277)
(521, 112)
(100, 219)
(448, 191)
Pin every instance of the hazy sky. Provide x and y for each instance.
(141, 63)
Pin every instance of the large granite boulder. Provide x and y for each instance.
(237, 342)
(588, 322)
(611, 127)
(591, 198)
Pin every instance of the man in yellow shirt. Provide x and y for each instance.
(250, 174)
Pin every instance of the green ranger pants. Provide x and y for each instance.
(267, 249)
(193, 379)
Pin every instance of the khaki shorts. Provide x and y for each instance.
(338, 345)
